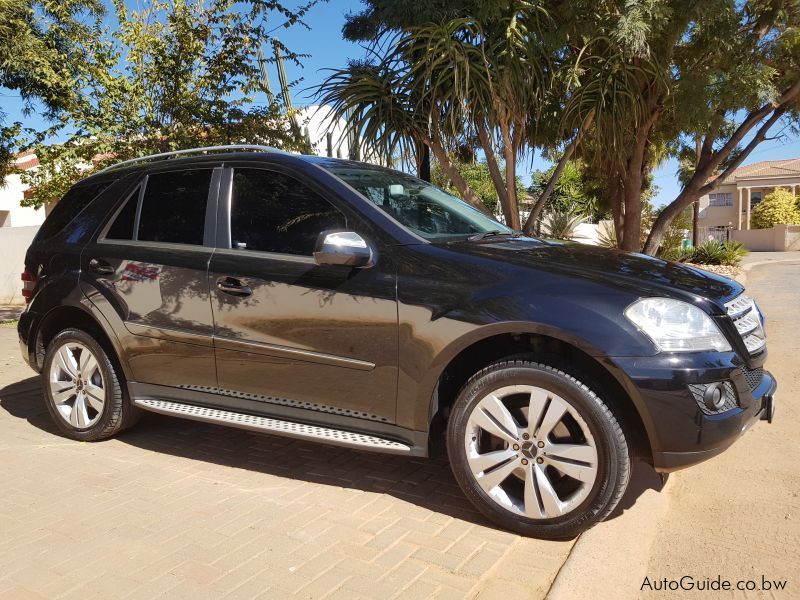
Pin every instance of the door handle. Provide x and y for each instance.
(233, 286)
(101, 267)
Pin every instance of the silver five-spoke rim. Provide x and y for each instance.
(531, 452)
(76, 385)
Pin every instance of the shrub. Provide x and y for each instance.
(715, 253)
(606, 235)
(561, 224)
(776, 208)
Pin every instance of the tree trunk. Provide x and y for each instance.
(511, 209)
(632, 201)
(664, 220)
(617, 204)
(458, 181)
(698, 149)
(538, 207)
(709, 162)
(424, 163)
(494, 169)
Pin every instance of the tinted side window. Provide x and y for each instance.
(272, 212)
(122, 227)
(73, 202)
(174, 207)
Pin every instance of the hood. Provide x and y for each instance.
(642, 274)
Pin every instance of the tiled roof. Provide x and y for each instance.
(767, 168)
(28, 163)
(26, 160)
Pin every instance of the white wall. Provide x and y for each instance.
(11, 193)
(14, 242)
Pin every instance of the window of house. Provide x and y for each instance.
(755, 198)
(720, 199)
(174, 207)
(272, 212)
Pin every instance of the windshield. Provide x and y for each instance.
(425, 209)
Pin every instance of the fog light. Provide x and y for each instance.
(714, 398)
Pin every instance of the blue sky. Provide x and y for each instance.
(326, 49)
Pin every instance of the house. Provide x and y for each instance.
(12, 192)
(729, 207)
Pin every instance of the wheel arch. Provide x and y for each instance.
(544, 344)
(81, 317)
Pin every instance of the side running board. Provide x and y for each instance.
(313, 433)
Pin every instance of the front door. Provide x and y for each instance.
(148, 274)
(321, 339)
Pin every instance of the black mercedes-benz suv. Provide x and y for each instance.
(355, 305)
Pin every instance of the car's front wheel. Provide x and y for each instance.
(536, 450)
(83, 388)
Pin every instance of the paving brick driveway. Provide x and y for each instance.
(184, 509)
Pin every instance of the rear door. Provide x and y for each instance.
(321, 339)
(147, 271)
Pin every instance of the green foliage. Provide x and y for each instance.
(715, 253)
(476, 174)
(40, 49)
(561, 224)
(777, 207)
(176, 74)
(574, 190)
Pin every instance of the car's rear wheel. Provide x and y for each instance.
(536, 450)
(83, 388)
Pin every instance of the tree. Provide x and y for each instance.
(776, 208)
(176, 74)
(38, 57)
(661, 73)
(619, 85)
(733, 75)
(482, 72)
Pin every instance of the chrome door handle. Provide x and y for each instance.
(233, 286)
(101, 267)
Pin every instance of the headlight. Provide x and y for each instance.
(676, 326)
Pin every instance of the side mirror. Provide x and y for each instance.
(343, 248)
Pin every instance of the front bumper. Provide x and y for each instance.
(681, 434)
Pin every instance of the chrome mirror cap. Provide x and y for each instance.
(346, 248)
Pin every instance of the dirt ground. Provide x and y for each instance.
(737, 516)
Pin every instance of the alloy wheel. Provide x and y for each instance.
(531, 452)
(77, 388)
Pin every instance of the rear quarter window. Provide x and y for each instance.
(74, 201)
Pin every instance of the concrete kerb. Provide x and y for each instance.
(610, 560)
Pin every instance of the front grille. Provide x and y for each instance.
(753, 376)
(744, 313)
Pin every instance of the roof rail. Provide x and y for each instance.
(167, 155)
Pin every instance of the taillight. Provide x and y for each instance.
(28, 285)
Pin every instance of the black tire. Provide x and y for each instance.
(613, 457)
(118, 412)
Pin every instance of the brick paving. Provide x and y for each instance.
(179, 509)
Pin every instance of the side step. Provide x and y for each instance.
(313, 433)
